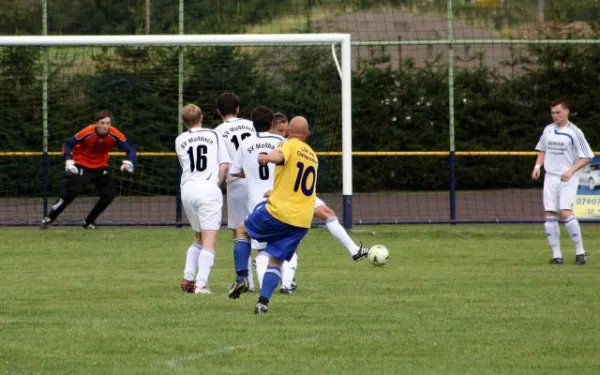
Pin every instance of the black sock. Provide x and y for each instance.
(263, 300)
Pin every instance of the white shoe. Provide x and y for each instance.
(201, 289)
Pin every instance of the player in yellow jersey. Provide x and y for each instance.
(284, 219)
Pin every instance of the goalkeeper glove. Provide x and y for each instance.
(70, 167)
(127, 166)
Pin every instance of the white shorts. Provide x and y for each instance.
(318, 203)
(258, 245)
(203, 203)
(559, 195)
(237, 202)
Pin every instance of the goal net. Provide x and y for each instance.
(49, 92)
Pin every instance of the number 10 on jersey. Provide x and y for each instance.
(302, 179)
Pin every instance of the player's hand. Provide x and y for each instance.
(263, 159)
(566, 176)
(70, 167)
(127, 166)
(536, 173)
(268, 193)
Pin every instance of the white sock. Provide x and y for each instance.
(288, 271)
(191, 262)
(337, 230)
(574, 229)
(250, 273)
(553, 236)
(206, 260)
(262, 262)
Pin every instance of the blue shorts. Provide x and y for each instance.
(282, 239)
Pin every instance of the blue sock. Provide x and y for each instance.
(270, 281)
(241, 253)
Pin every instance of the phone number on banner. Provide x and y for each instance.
(588, 206)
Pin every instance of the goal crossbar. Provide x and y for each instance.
(228, 40)
(174, 40)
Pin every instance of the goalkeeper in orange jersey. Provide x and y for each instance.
(86, 161)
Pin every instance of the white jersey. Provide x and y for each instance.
(200, 153)
(234, 131)
(563, 147)
(259, 177)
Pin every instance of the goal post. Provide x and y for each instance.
(343, 40)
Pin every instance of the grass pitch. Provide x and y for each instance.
(452, 300)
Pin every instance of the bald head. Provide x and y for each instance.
(299, 128)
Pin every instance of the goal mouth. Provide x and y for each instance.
(144, 81)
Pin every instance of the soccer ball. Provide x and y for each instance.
(378, 255)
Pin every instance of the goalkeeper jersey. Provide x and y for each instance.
(89, 149)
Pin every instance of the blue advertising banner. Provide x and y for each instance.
(587, 203)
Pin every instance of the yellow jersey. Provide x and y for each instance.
(292, 200)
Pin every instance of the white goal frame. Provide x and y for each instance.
(224, 40)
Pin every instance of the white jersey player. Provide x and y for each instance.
(234, 130)
(259, 177)
(563, 151)
(204, 162)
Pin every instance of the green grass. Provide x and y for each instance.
(452, 300)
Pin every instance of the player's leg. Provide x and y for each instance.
(241, 253)
(237, 204)
(280, 248)
(74, 185)
(288, 273)
(250, 273)
(567, 194)
(262, 262)
(189, 204)
(270, 282)
(209, 214)
(323, 212)
(206, 261)
(551, 207)
(237, 211)
(188, 283)
(106, 192)
(257, 226)
(254, 245)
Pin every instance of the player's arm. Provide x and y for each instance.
(585, 154)
(236, 169)
(129, 150)
(223, 169)
(582, 162)
(539, 161)
(541, 149)
(68, 146)
(124, 145)
(584, 150)
(276, 157)
(223, 158)
(70, 143)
